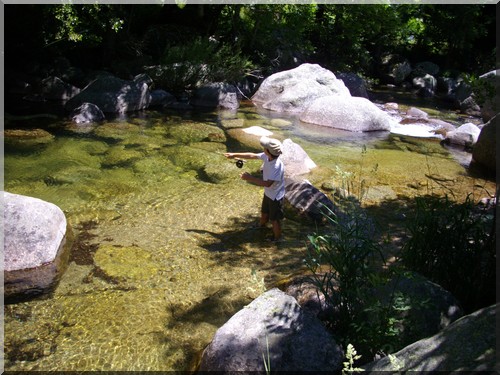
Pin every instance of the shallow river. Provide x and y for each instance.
(162, 254)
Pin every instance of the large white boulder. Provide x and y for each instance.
(293, 90)
(34, 245)
(355, 114)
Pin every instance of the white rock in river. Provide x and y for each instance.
(34, 245)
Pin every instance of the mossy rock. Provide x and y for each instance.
(72, 174)
(93, 147)
(84, 128)
(116, 130)
(220, 172)
(190, 132)
(232, 123)
(125, 263)
(193, 158)
(156, 165)
(281, 123)
(247, 142)
(26, 139)
(118, 156)
(215, 147)
(418, 145)
(141, 142)
(75, 151)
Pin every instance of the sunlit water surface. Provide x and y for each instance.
(162, 256)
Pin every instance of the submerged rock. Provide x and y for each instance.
(190, 132)
(35, 245)
(125, 263)
(117, 130)
(25, 139)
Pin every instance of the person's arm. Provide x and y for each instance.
(242, 155)
(256, 180)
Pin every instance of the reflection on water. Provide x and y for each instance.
(164, 253)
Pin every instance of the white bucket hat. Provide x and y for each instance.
(272, 145)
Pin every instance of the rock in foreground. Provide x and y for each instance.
(273, 328)
(34, 245)
(466, 345)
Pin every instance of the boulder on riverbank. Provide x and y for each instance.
(114, 95)
(319, 97)
(466, 135)
(484, 151)
(467, 345)
(216, 95)
(272, 329)
(35, 245)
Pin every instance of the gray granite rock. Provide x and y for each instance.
(35, 246)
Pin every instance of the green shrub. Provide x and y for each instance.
(453, 244)
(348, 251)
(200, 61)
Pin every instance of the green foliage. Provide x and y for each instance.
(84, 23)
(348, 252)
(484, 88)
(351, 356)
(341, 37)
(202, 60)
(453, 244)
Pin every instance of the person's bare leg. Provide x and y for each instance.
(277, 229)
(264, 219)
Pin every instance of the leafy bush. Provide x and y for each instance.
(357, 316)
(453, 244)
(190, 65)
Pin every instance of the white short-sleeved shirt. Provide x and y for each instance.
(273, 170)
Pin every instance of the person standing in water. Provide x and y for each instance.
(273, 181)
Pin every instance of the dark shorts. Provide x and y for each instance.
(273, 208)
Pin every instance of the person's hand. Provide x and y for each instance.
(245, 176)
(229, 155)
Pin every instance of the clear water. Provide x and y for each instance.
(163, 254)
